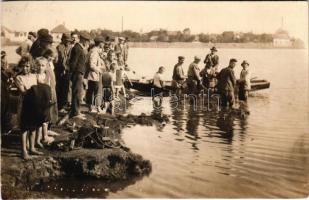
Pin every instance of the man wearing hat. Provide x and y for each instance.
(211, 67)
(178, 74)
(226, 84)
(45, 42)
(77, 63)
(41, 33)
(95, 69)
(244, 82)
(211, 59)
(194, 79)
(25, 46)
(62, 71)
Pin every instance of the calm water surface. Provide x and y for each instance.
(214, 154)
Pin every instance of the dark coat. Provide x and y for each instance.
(36, 107)
(63, 56)
(211, 61)
(78, 59)
(226, 79)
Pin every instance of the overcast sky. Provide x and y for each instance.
(207, 17)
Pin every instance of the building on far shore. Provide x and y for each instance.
(12, 36)
(281, 38)
(58, 31)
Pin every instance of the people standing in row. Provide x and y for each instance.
(95, 69)
(62, 72)
(24, 48)
(77, 62)
(227, 83)
(32, 111)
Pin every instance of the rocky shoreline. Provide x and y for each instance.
(21, 178)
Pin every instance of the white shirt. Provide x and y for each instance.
(157, 80)
(245, 77)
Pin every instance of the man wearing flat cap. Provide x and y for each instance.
(62, 71)
(24, 48)
(95, 69)
(227, 83)
(194, 79)
(77, 63)
(178, 75)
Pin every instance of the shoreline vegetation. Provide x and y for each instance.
(248, 45)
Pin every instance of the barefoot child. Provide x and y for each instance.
(46, 76)
(24, 82)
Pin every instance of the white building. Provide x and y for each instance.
(58, 31)
(282, 38)
(13, 36)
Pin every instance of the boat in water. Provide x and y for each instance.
(144, 86)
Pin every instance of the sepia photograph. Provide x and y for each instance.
(154, 99)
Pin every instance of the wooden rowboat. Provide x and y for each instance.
(145, 86)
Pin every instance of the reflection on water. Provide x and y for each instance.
(203, 153)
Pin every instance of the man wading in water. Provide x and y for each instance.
(226, 84)
(178, 75)
(210, 71)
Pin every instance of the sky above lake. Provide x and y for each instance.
(206, 17)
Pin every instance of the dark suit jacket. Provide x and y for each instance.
(227, 80)
(78, 59)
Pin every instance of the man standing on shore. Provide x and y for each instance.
(95, 69)
(120, 51)
(194, 79)
(77, 64)
(226, 84)
(62, 71)
(43, 32)
(126, 50)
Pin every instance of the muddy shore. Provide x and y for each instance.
(23, 179)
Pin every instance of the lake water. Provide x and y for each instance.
(204, 153)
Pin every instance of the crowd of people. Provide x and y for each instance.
(51, 80)
(209, 78)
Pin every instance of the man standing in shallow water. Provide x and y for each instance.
(194, 79)
(226, 84)
(178, 75)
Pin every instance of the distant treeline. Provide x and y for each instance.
(163, 35)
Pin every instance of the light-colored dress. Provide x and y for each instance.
(26, 82)
(49, 78)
